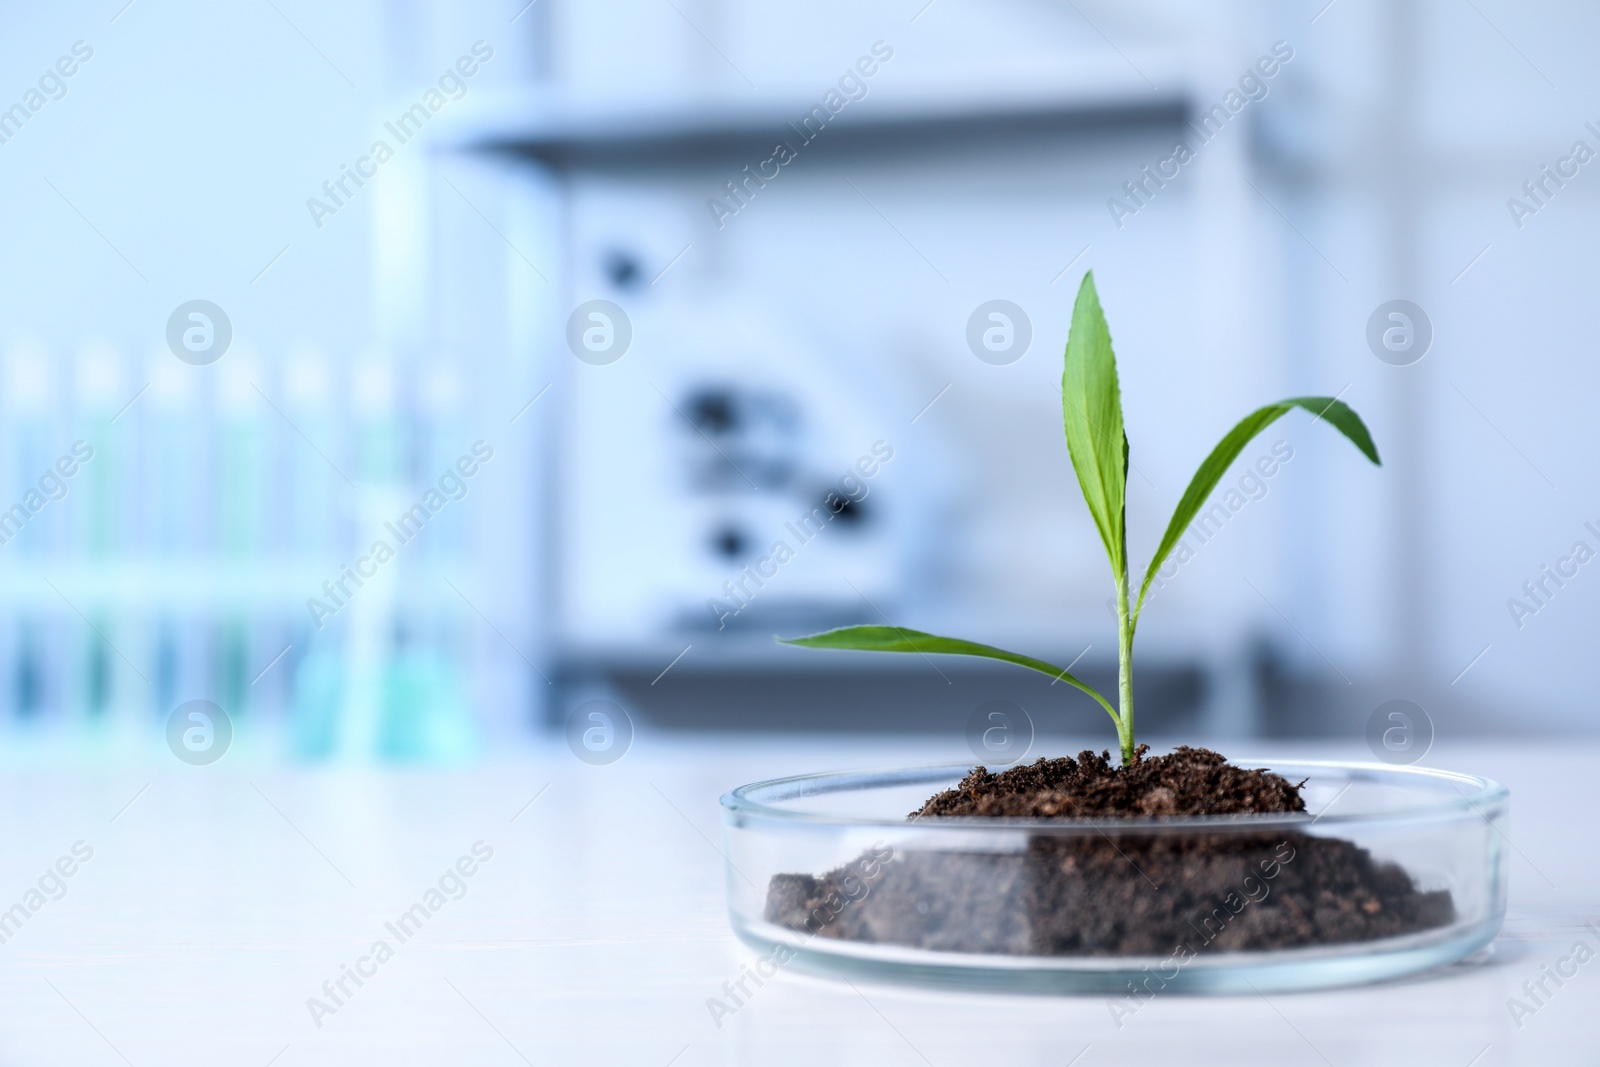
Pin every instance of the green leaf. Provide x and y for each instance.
(1091, 408)
(896, 639)
(1327, 408)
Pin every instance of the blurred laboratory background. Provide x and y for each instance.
(401, 377)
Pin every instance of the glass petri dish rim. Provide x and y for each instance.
(1482, 796)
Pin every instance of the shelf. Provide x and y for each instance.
(567, 130)
(247, 582)
(725, 653)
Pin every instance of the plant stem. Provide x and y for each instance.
(1125, 623)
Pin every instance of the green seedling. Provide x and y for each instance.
(1091, 407)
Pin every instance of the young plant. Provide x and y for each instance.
(1091, 406)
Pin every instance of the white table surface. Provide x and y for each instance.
(222, 898)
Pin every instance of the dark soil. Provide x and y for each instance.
(1191, 781)
(1115, 893)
